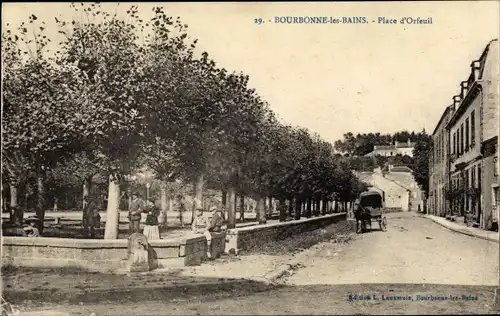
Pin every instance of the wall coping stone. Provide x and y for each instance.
(234, 231)
(91, 243)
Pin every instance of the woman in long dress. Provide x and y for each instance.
(151, 230)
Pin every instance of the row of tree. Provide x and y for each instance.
(122, 94)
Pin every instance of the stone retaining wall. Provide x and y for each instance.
(111, 255)
(95, 255)
(247, 237)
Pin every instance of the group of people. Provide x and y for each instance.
(136, 208)
(201, 224)
(92, 219)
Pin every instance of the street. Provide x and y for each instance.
(414, 257)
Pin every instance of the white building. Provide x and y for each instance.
(393, 150)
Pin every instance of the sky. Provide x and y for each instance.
(332, 78)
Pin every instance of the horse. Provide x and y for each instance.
(363, 218)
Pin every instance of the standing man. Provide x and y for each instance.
(90, 216)
(136, 208)
(88, 209)
(214, 226)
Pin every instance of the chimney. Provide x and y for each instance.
(476, 67)
(465, 88)
(456, 101)
(452, 108)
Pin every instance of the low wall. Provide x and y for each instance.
(247, 237)
(111, 255)
(98, 255)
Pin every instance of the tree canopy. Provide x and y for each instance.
(362, 144)
(121, 94)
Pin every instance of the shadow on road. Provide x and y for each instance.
(239, 296)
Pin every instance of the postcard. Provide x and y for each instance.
(250, 158)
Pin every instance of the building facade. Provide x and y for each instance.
(472, 132)
(438, 165)
(490, 84)
(490, 183)
(393, 150)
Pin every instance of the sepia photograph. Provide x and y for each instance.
(250, 158)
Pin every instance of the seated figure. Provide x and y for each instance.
(216, 220)
(31, 230)
(199, 224)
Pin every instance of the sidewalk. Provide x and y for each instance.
(470, 231)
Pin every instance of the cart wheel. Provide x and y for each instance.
(383, 225)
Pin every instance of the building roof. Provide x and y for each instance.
(400, 169)
(441, 120)
(472, 86)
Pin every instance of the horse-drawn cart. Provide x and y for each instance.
(370, 208)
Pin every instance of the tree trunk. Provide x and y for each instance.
(87, 183)
(282, 209)
(235, 205)
(298, 208)
(324, 207)
(40, 201)
(112, 211)
(231, 216)
(309, 208)
(224, 204)
(270, 199)
(242, 207)
(163, 198)
(15, 214)
(317, 208)
(164, 202)
(198, 195)
(290, 207)
(198, 192)
(264, 206)
(261, 211)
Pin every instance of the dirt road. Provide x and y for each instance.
(416, 267)
(413, 250)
